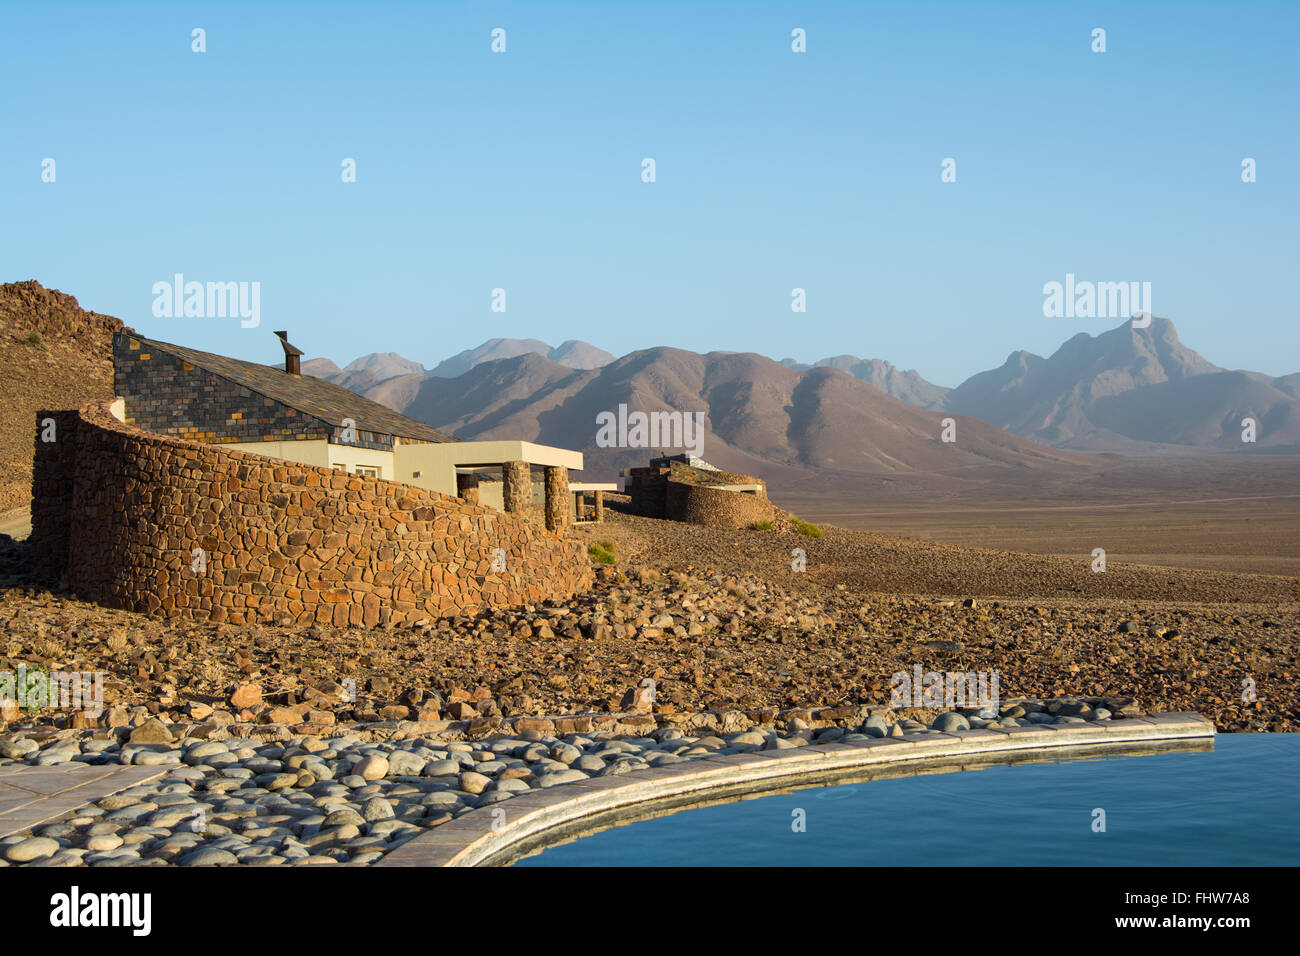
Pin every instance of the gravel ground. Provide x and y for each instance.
(718, 623)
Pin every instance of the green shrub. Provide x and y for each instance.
(807, 528)
(762, 526)
(34, 340)
(602, 553)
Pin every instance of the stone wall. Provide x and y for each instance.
(700, 504)
(119, 512)
(556, 501)
(648, 490)
(517, 490)
(467, 488)
(54, 473)
(655, 493)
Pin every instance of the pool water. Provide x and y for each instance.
(1236, 805)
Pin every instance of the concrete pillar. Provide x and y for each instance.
(579, 505)
(600, 506)
(517, 492)
(557, 497)
(467, 487)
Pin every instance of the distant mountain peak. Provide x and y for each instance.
(906, 386)
(572, 354)
(1126, 388)
(385, 363)
(576, 354)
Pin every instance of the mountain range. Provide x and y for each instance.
(1132, 389)
(843, 422)
(1128, 390)
(760, 416)
(360, 374)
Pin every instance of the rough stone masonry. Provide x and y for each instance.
(151, 523)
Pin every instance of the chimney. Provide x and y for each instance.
(291, 355)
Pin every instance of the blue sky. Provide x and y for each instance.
(775, 170)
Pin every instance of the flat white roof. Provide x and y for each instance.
(483, 454)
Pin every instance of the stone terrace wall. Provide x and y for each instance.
(648, 489)
(284, 542)
(54, 473)
(701, 504)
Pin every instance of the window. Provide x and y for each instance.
(366, 471)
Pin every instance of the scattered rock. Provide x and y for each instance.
(950, 720)
(34, 848)
(152, 731)
(373, 767)
(246, 696)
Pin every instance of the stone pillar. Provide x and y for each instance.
(557, 497)
(517, 493)
(579, 505)
(600, 506)
(467, 487)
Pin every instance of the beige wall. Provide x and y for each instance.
(350, 457)
(435, 463)
(433, 470)
(323, 454)
(304, 452)
(492, 494)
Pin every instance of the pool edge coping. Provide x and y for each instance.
(487, 833)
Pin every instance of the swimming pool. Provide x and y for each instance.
(1238, 804)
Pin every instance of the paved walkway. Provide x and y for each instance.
(30, 796)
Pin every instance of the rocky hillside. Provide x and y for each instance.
(53, 354)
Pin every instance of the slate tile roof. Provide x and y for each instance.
(314, 396)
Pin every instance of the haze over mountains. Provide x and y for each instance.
(1128, 390)
(761, 417)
